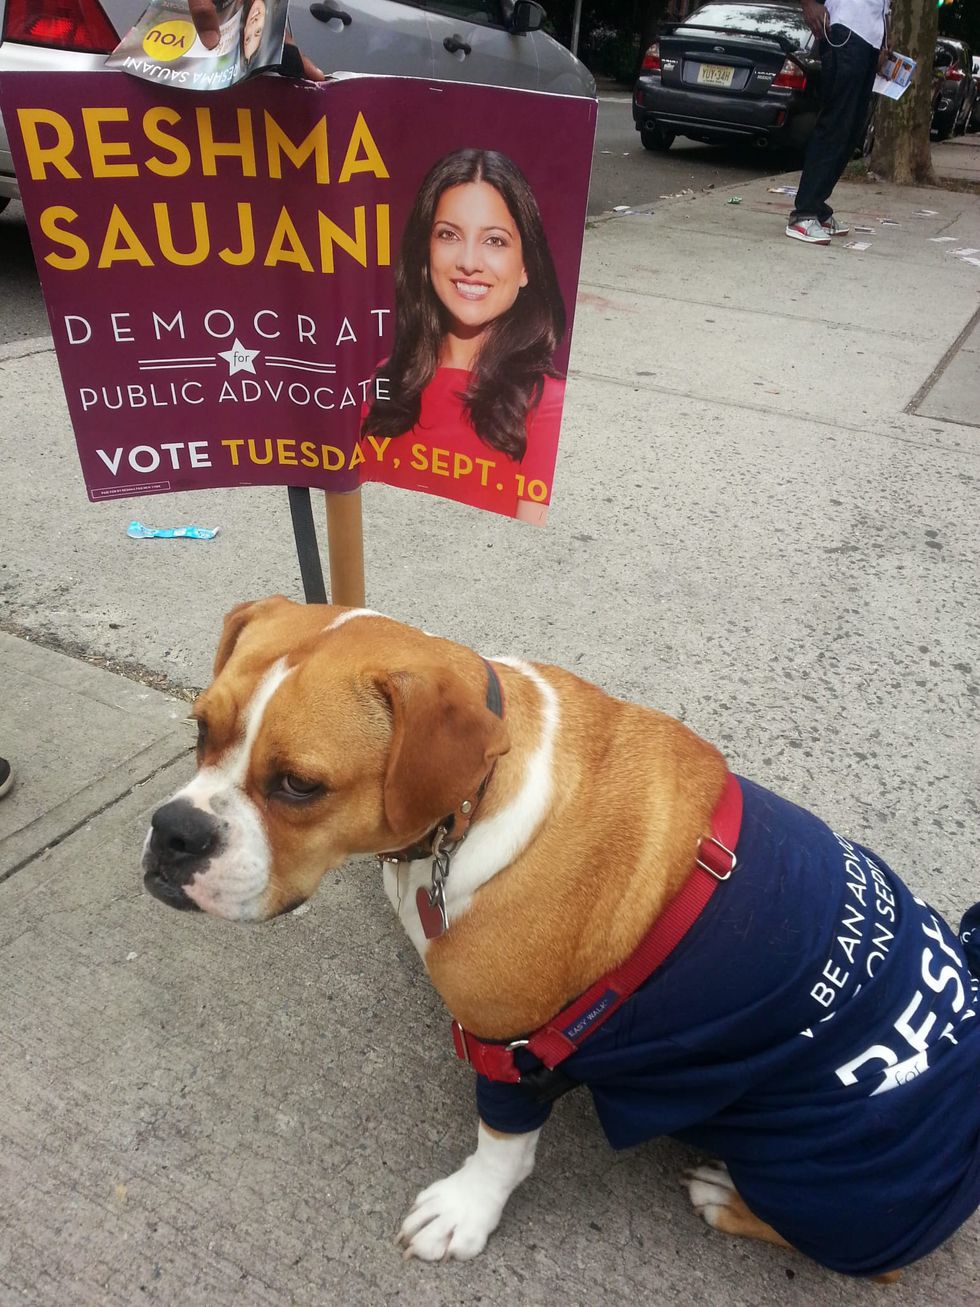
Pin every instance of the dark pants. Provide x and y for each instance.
(847, 72)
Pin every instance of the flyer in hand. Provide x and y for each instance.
(165, 47)
(895, 76)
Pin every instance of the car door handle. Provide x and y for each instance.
(456, 43)
(326, 11)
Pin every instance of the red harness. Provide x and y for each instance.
(560, 1037)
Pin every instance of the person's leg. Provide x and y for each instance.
(862, 64)
(845, 60)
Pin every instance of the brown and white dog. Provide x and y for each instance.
(331, 732)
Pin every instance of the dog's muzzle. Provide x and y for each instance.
(182, 841)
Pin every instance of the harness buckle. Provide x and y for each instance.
(720, 873)
(459, 1041)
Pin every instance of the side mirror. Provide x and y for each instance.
(527, 17)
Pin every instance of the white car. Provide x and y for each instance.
(494, 42)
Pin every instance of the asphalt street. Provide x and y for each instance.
(624, 173)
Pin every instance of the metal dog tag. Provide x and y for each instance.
(431, 905)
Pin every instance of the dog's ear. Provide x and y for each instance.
(444, 741)
(236, 622)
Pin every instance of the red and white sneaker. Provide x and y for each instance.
(810, 230)
(834, 227)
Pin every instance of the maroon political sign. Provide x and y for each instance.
(370, 279)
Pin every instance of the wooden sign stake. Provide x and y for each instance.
(345, 547)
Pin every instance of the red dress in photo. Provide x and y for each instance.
(442, 454)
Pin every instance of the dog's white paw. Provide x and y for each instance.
(453, 1218)
(711, 1192)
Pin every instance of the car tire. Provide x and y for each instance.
(655, 138)
(943, 128)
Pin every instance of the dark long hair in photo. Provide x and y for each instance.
(516, 354)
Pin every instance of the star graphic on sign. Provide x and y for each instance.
(239, 359)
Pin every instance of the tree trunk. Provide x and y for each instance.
(902, 152)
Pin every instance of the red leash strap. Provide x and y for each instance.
(562, 1035)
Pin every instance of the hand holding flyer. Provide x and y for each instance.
(164, 46)
(894, 78)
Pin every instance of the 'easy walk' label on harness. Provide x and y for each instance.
(589, 1018)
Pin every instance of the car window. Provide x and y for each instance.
(766, 20)
(943, 57)
(470, 11)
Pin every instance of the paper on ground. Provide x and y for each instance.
(858, 245)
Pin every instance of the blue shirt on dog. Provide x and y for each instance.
(817, 1030)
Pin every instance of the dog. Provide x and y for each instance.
(599, 901)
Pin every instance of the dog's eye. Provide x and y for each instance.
(296, 789)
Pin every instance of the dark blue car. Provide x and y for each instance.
(730, 73)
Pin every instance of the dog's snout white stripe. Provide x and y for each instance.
(229, 774)
(237, 765)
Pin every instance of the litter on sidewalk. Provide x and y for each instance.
(938, 240)
(137, 531)
(782, 190)
(858, 245)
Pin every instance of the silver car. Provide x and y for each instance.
(494, 42)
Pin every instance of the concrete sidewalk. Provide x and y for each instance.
(766, 522)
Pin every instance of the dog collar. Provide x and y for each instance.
(558, 1039)
(447, 835)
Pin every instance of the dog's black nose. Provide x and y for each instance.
(181, 835)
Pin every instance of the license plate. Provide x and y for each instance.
(715, 74)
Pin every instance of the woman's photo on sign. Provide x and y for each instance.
(468, 403)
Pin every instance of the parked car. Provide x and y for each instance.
(730, 72)
(974, 124)
(494, 42)
(954, 92)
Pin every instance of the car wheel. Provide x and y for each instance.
(943, 128)
(655, 138)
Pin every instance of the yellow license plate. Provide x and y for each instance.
(716, 74)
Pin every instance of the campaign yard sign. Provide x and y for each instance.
(287, 283)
